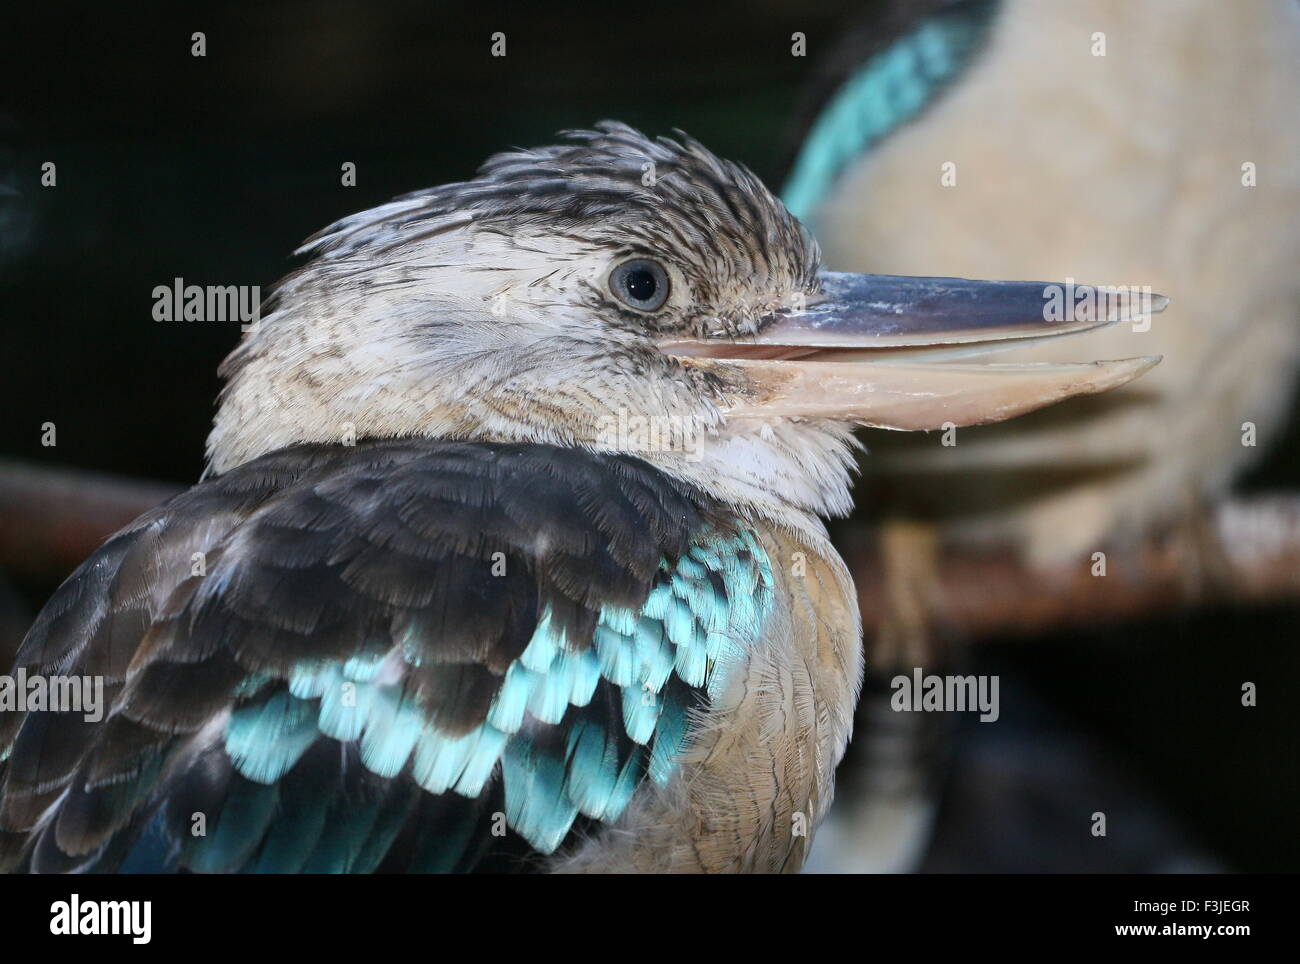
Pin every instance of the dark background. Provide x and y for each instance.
(213, 169)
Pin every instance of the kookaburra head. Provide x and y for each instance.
(630, 295)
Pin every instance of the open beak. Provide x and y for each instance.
(891, 352)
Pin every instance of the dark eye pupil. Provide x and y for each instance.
(641, 284)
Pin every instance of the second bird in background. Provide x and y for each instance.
(1154, 143)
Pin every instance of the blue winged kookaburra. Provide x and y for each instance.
(1143, 142)
(509, 627)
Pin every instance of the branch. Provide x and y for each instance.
(1243, 551)
(52, 519)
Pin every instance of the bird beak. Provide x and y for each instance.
(890, 352)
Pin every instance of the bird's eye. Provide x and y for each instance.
(641, 284)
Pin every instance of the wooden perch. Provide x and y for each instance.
(51, 519)
(1245, 551)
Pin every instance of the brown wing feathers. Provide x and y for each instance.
(312, 555)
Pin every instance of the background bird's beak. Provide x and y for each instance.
(886, 351)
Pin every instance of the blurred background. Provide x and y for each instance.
(214, 168)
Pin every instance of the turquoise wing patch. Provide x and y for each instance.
(577, 724)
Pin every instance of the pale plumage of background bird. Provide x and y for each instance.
(1071, 164)
(429, 592)
(1154, 142)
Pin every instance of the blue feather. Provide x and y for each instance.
(308, 681)
(545, 645)
(245, 816)
(153, 851)
(669, 740)
(391, 731)
(265, 740)
(550, 697)
(536, 805)
(344, 709)
(655, 653)
(295, 833)
(507, 710)
(346, 832)
(640, 713)
(461, 763)
(617, 653)
(580, 673)
(593, 769)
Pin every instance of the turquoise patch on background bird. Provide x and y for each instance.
(890, 89)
